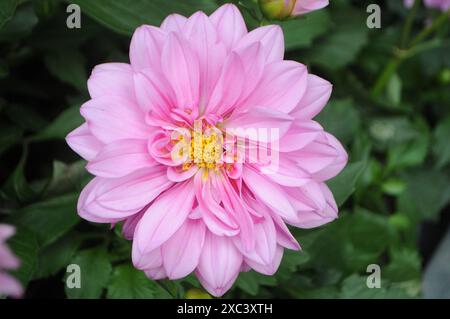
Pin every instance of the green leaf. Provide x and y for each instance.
(441, 145)
(355, 287)
(126, 15)
(25, 246)
(250, 282)
(300, 33)
(344, 184)
(340, 47)
(394, 89)
(405, 265)
(67, 178)
(19, 26)
(50, 219)
(344, 130)
(128, 282)
(67, 121)
(58, 255)
(69, 66)
(7, 9)
(9, 135)
(95, 273)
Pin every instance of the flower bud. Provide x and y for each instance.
(282, 9)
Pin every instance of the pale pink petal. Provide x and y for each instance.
(230, 25)
(6, 231)
(111, 118)
(83, 142)
(268, 269)
(7, 259)
(220, 263)
(121, 158)
(181, 67)
(281, 88)
(112, 79)
(165, 216)
(156, 273)
(143, 261)
(317, 94)
(145, 47)
(271, 38)
(174, 22)
(181, 253)
(300, 134)
(269, 193)
(305, 6)
(10, 286)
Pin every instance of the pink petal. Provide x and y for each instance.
(121, 158)
(181, 67)
(305, 6)
(143, 261)
(271, 38)
(112, 79)
(219, 266)
(317, 94)
(83, 142)
(10, 286)
(111, 118)
(165, 216)
(264, 122)
(156, 273)
(268, 269)
(230, 25)
(282, 87)
(299, 135)
(7, 259)
(6, 231)
(181, 253)
(174, 23)
(269, 193)
(145, 47)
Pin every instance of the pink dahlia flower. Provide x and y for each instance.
(442, 5)
(8, 285)
(163, 137)
(281, 9)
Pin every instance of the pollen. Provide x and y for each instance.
(206, 150)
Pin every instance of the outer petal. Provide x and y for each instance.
(10, 286)
(165, 216)
(317, 94)
(6, 231)
(145, 47)
(156, 273)
(269, 193)
(121, 158)
(220, 263)
(7, 259)
(230, 25)
(272, 267)
(181, 252)
(109, 200)
(143, 261)
(305, 6)
(83, 142)
(174, 23)
(281, 88)
(111, 118)
(271, 37)
(112, 79)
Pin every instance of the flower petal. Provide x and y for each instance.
(181, 253)
(83, 142)
(220, 263)
(230, 24)
(121, 158)
(112, 79)
(145, 47)
(165, 216)
(271, 38)
(174, 22)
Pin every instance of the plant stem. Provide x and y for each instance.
(408, 24)
(437, 23)
(401, 55)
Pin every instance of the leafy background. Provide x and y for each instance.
(390, 106)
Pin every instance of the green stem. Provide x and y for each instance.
(408, 24)
(437, 23)
(401, 55)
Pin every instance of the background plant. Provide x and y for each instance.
(390, 106)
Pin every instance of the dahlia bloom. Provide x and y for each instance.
(189, 197)
(281, 9)
(442, 5)
(8, 285)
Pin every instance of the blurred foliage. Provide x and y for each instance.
(390, 106)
